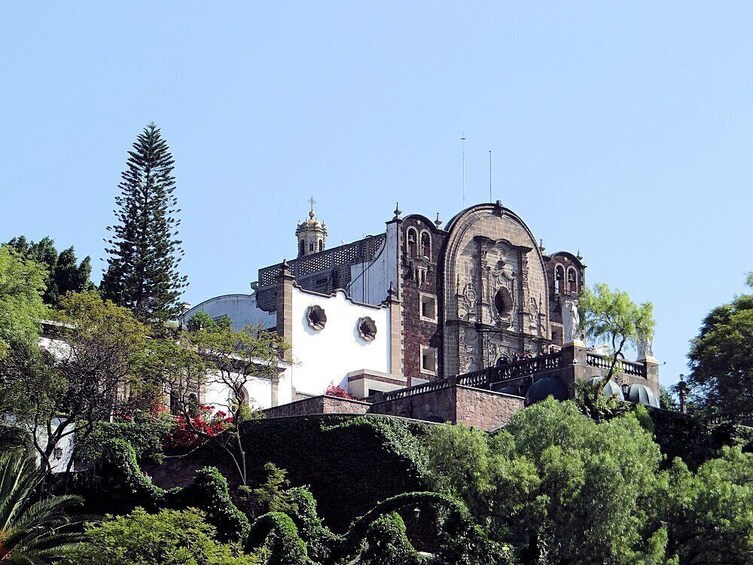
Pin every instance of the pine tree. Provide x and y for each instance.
(144, 252)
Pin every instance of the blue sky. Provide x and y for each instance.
(620, 129)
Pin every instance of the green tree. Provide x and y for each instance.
(77, 380)
(557, 486)
(32, 530)
(710, 513)
(169, 537)
(144, 252)
(721, 360)
(610, 317)
(64, 272)
(21, 308)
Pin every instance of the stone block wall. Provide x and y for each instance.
(432, 406)
(475, 407)
(485, 409)
(318, 405)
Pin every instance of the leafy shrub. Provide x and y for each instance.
(461, 540)
(277, 538)
(120, 486)
(387, 543)
(300, 505)
(169, 537)
(119, 482)
(145, 437)
(209, 491)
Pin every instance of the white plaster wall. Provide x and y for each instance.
(66, 444)
(240, 308)
(328, 355)
(259, 389)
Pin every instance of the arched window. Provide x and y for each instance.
(301, 248)
(425, 244)
(321, 245)
(559, 279)
(412, 243)
(238, 397)
(572, 280)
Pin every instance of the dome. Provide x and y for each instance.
(641, 394)
(543, 388)
(610, 390)
(509, 389)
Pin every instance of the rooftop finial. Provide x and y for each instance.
(437, 222)
(541, 246)
(311, 212)
(398, 211)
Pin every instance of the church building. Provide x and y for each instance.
(417, 302)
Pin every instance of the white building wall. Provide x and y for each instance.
(241, 308)
(321, 357)
(370, 282)
(259, 389)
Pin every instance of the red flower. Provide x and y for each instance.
(192, 433)
(334, 390)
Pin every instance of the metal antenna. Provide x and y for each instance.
(490, 175)
(462, 139)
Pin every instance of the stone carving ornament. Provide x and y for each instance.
(467, 302)
(645, 347)
(570, 320)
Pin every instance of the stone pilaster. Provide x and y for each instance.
(285, 308)
(396, 332)
(652, 373)
(275, 391)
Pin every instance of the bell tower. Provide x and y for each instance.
(311, 234)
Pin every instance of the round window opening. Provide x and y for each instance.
(317, 317)
(367, 328)
(503, 302)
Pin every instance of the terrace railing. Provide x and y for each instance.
(622, 366)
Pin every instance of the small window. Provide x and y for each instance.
(428, 360)
(367, 328)
(321, 245)
(301, 248)
(428, 308)
(311, 246)
(238, 396)
(317, 317)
